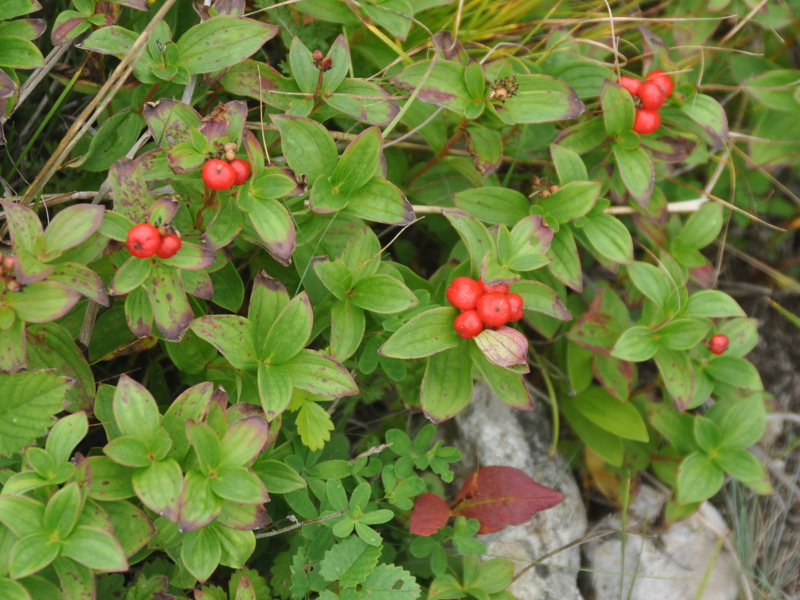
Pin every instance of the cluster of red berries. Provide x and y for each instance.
(652, 93)
(482, 305)
(145, 240)
(718, 343)
(221, 175)
(321, 62)
(8, 279)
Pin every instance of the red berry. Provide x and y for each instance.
(143, 240)
(496, 287)
(218, 175)
(242, 169)
(663, 81)
(468, 324)
(170, 244)
(652, 95)
(515, 303)
(463, 293)
(647, 121)
(718, 343)
(494, 309)
(631, 84)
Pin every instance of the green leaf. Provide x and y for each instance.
(132, 527)
(742, 422)
(308, 147)
(740, 464)
(65, 435)
(425, 334)
(707, 434)
(11, 590)
(130, 276)
(566, 264)
(42, 301)
(267, 300)
(290, 331)
(221, 42)
(274, 389)
(110, 481)
(569, 165)
(709, 115)
(605, 411)
(364, 101)
(540, 99)
(62, 511)
(206, 444)
(278, 477)
(473, 233)
(72, 226)
(32, 553)
(17, 53)
(21, 514)
(128, 451)
(699, 478)
(303, 68)
(619, 110)
(609, 237)
(349, 562)
(703, 226)
(237, 484)
(159, 487)
(28, 402)
(95, 549)
(16, 8)
(313, 424)
(171, 310)
(135, 410)
(232, 335)
(637, 172)
(683, 333)
(652, 282)
(274, 226)
(486, 147)
(441, 84)
(382, 294)
(493, 205)
(734, 371)
(358, 162)
(339, 52)
(571, 201)
(347, 329)
(529, 241)
(243, 442)
(320, 374)
(636, 344)
(447, 384)
(201, 553)
(382, 202)
(678, 376)
(507, 385)
(23, 225)
(712, 303)
(199, 505)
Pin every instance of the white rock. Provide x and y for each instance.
(669, 564)
(501, 435)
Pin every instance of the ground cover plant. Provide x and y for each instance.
(249, 248)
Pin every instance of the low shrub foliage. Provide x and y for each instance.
(207, 358)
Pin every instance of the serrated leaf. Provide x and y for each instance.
(314, 425)
(28, 402)
(349, 562)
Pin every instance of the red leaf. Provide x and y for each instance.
(430, 514)
(502, 496)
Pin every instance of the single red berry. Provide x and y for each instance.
(170, 244)
(242, 169)
(646, 121)
(652, 95)
(143, 240)
(494, 309)
(496, 287)
(218, 175)
(463, 293)
(663, 81)
(515, 304)
(468, 324)
(718, 343)
(631, 84)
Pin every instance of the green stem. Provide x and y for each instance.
(551, 393)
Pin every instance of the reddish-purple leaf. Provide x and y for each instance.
(502, 496)
(430, 514)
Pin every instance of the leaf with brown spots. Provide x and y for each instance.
(171, 309)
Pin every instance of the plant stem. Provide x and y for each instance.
(441, 154)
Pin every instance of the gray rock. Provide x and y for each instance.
(500, 435)
(669, 564)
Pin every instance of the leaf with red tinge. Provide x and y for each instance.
(505, 347)
(502, 496)
(430, 514)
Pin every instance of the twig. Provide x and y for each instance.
(267, 534)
